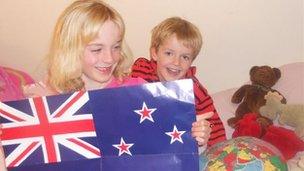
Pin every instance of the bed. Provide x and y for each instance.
(291, 85)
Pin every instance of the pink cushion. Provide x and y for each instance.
(291, 83)
(11, 83)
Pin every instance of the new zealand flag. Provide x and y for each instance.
(135, 128)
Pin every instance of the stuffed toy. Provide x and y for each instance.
(277, 136)
(250, 97)
(288, 114)
(301, 162)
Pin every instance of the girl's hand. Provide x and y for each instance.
(201, 128)
(2, 163)
(0, 133)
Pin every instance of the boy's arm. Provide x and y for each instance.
(203, 105)
(144, 69)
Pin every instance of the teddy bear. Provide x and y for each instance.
(288, 114)
(250, 97)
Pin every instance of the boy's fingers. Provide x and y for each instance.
(200, 123)
(204, 116)
(200, 141)
(200, 134)
(201, 127)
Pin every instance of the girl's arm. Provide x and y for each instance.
(2, 163)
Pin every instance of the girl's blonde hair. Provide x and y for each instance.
(184, 31)
(78, 25)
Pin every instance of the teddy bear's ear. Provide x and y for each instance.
(277, 72)
(253, 69)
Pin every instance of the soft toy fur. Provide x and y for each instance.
(251, 96)
(301, 162)
(289, 114)
(277, 136)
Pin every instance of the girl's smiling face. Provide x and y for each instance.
(101, 56)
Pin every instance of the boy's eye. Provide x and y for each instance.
(168, 53)
(186, 58)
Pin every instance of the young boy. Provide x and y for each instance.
(175, 43)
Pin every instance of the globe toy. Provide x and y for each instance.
(243, 154)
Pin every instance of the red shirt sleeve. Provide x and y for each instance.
(145, 69)
(204, 104)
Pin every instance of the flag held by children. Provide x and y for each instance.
(145, 127)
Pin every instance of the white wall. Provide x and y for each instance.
(238, 34)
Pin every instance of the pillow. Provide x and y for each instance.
(290, 85)
(11, 83)
(225, 108)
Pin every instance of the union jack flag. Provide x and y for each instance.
(46, 127)
(145, 127)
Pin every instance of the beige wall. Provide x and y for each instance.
(237, 33)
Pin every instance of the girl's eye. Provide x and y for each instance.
(118, 47)
(96, 50)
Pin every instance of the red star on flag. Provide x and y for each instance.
(145, 113)
(123, 147)
(176, 135)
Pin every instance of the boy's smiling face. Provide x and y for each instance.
(173, 59)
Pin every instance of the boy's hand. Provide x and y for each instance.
(201, 128)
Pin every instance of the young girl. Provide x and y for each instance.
(86, 51)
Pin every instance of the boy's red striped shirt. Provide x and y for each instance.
(146, 69)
